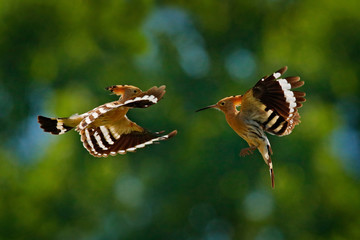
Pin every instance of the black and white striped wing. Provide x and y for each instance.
(104, 140)
(280, 102)
(97, 113)
(144, 100)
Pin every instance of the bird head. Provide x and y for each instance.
(225, 104)
(125, 91)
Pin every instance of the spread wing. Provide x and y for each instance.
(118, 109)
(119, 137)
(146, 99)
(275, 102)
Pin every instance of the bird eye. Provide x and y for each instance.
(222, 103)
(135, 91)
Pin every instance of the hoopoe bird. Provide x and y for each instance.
(270, 106)
(106, 130)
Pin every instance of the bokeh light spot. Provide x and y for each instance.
(269, 233)
(258, 205)
(178, 27)
(129, 191)
(218, 229)
(240, 64)
(345, 143)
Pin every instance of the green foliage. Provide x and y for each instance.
(56, 57)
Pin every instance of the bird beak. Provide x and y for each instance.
(211, 106)
(116, 89)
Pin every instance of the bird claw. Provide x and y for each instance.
(246, 151)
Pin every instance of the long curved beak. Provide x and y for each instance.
(211, 106)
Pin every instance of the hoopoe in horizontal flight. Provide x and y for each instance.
(270, 106)
(106, 130)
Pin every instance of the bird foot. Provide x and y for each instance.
(247, 151)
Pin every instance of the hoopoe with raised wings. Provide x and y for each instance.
(106, 130)
(270, 106)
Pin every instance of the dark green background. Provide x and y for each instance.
(56, 57)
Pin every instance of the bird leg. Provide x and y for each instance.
(272, 176)
(247, 151)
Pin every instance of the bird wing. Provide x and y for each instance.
(273, 103)
(147, 98)
(118, 109)
(119, 137)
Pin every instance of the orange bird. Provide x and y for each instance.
(270, 106)
(106, 130)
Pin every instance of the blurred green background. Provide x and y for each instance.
(56, 57)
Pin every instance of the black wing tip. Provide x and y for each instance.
(269, 78)
(48, 125)
(45, 121)
(41, 118)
